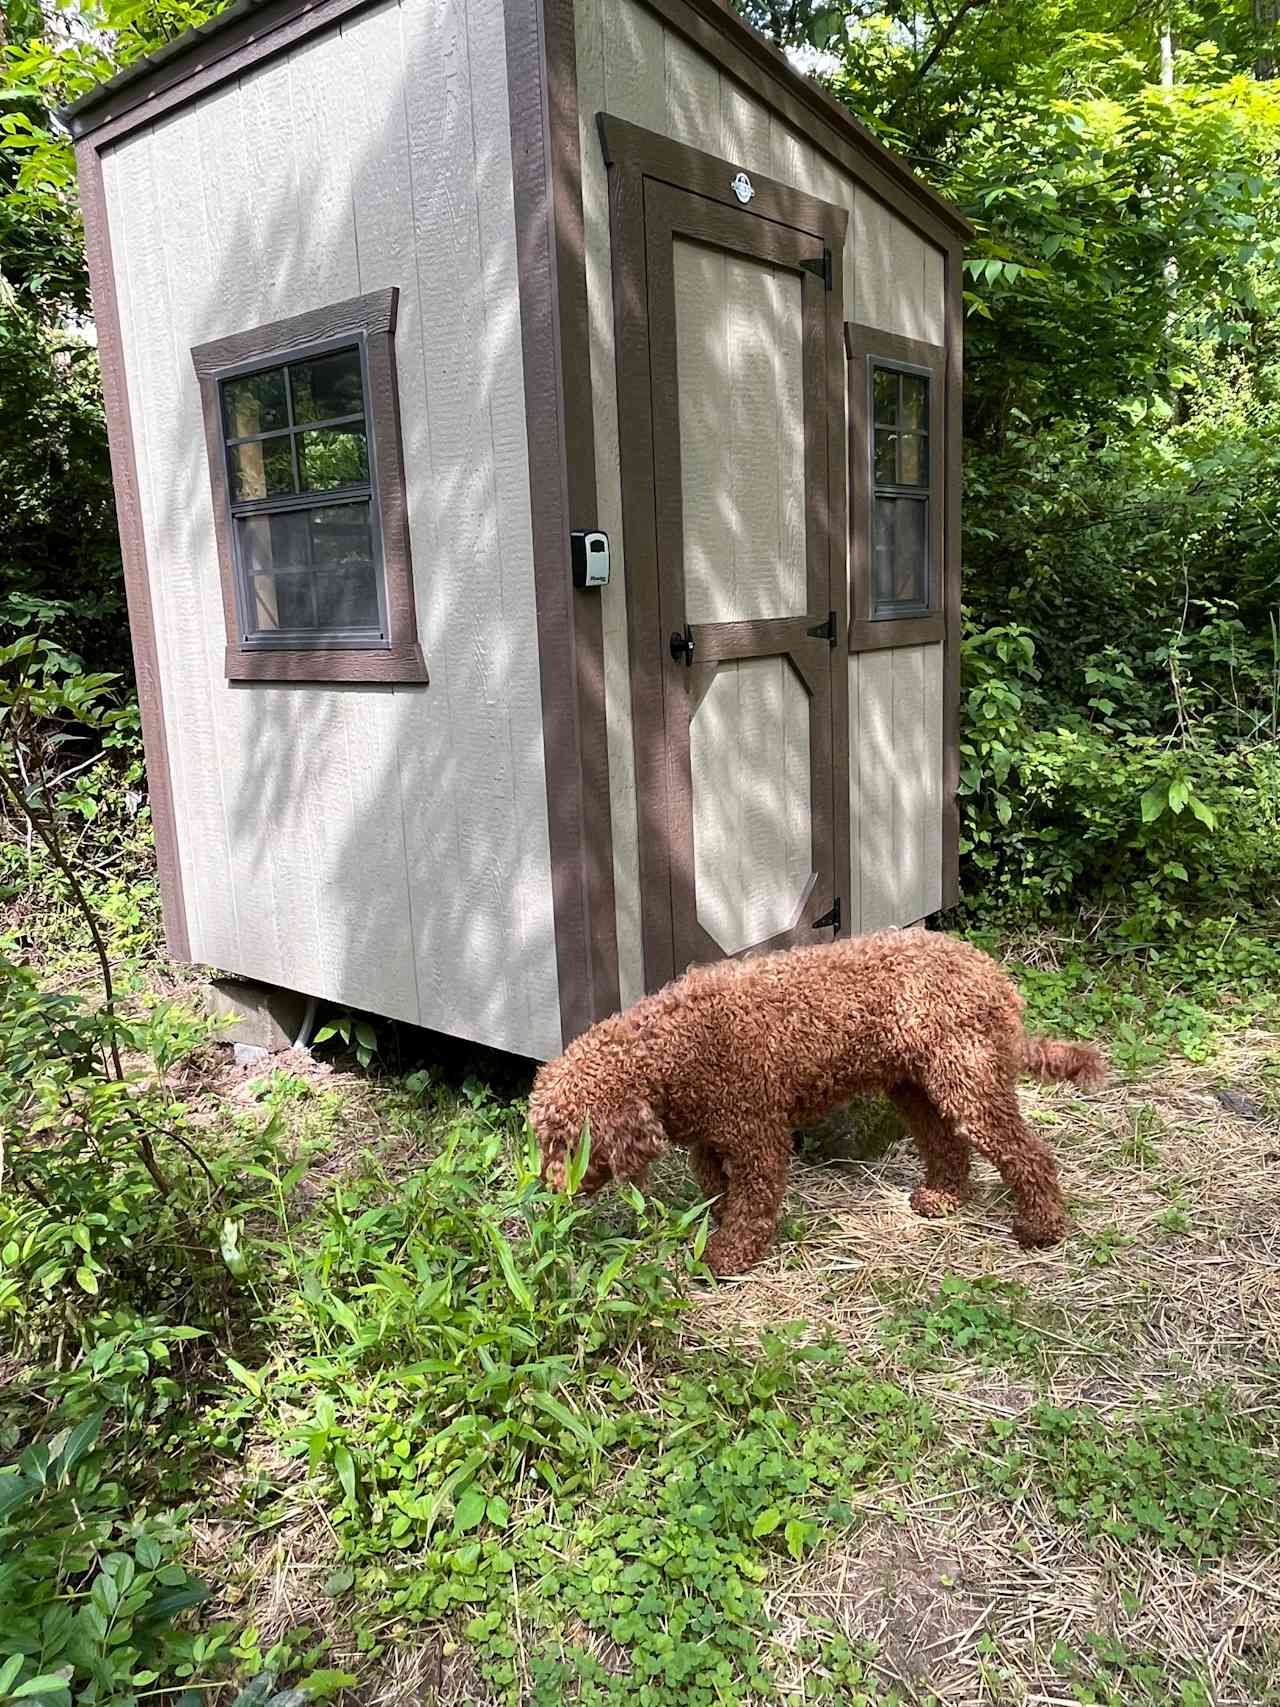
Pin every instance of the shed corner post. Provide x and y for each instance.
(952, 611)
(133, 549)
(550, 246)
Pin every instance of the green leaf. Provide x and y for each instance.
(1154, 802)
(469, 1511)
(229, 1245)
(52, 1683)
(15, 1491)
(87, 1280)
(507, 1262)
(1204, 813)
(319, 1685)
(344, 1465)
(766, 1523)
(366, 1037)
(245, 1376)
(565, 1417)
(322, 1036)
(499, 1512)
(9, 1671)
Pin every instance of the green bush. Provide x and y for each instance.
(1063, 808)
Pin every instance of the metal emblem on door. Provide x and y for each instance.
(743, 188)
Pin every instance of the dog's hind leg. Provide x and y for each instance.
(756, 1161)
(945, 1157)
(984, 1109)
(709, 1172)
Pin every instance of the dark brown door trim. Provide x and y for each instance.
(133, 549)
(546, 167)
(640, 165)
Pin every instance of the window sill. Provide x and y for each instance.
(926, 630)
(404, 664)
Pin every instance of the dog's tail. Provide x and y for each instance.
(1080, 1063)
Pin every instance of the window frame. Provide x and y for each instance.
(368, 323)
(867, 348)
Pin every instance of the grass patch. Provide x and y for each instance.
(981, 1319)
(1183, 993)
(1193, 1479)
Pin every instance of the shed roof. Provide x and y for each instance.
(249, 24)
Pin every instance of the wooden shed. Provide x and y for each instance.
(536, 434)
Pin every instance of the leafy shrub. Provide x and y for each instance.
(1061, 812)
(1190, 1479)
(91, 1589)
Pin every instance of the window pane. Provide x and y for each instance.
(261, 470)
(310, 571)
(340, 534)
(886, 458)
(254, 404)
(327, 386)
(884, 391)
(332, 456)
(347, 597)
(915, 402)
(913, 460)
(900, 554)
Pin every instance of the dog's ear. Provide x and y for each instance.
(635, 1136)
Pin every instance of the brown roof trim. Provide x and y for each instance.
(133, 550)
(253, 30)
(247, 33)
(767, 72)
(542, 93)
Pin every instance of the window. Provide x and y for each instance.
(900, 492)
(304, 452)
(896, 489)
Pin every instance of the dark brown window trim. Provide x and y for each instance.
(864, 346)
(372, 319)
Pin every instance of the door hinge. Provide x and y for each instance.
(825, 630)
(831, 919)
(821, 265)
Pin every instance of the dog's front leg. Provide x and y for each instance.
(757, 1161)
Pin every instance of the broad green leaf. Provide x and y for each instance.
(87, 1281)
(344, 1465)
(1154, 802)
(469, 1511)
(766, 1523)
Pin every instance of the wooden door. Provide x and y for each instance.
(739, 696)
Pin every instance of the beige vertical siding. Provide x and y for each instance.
(380, 847)
(630, 65)
(749, 758)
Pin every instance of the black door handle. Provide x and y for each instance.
(682, 644)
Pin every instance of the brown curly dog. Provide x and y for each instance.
(732, 1058)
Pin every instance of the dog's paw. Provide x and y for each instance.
(933, 1205)
(1039, 1235)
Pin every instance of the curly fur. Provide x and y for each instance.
(730, 1059)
